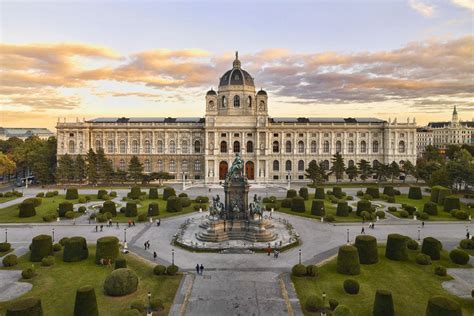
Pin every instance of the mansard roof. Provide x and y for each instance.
(147, 120)
(325, 120)
(447, 124)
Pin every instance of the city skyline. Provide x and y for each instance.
(341, 59)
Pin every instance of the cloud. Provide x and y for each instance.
(422, 8)
(467, 4)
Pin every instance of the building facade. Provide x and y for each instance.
(237, 121)
(454, 132)
(24, 133)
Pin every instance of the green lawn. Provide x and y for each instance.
(411, 285)
(48, 206)
(6, 199)
(56, 285)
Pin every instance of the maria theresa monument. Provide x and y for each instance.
(236, 120)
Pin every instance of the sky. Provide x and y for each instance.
(380, 58)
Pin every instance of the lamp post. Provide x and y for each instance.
(53, 234)
(6, 234)
(299, 255)
(172, 256)
(418, 233)
(125, 235)
(348, 236)
(149, 303)
(324, 304)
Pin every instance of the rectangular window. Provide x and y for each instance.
(223, 134)
(275, 135)
(288, 135)
(313, 134)
(326, 134)
(338, 134)
(249, 135)
(301, 135)
(71, 134)
(236, 134)
(275, 177)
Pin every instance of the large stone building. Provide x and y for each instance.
(237, 121)
(24, 132)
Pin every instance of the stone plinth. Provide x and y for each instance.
(248, 230)
(236, 191)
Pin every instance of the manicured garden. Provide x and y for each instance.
(354, 278)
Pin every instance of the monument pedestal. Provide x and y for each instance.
(247, 230)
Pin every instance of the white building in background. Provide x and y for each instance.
(425, 138)
(236, 121)
(24, 132)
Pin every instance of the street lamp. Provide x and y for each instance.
(6, 234)
(149, 303)
(418, 233)
(53, 234)
(172, 256)
(324, 303)
(348, 236)
(125, 235)
(299, 255)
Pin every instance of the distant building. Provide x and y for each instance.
(442, 134)
(24, 133)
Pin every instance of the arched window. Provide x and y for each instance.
(325, 164)
(98, 145)
(197, 165)
(135, 147)
(236, 101)
(261, 106)
(301, 165)
(110, 147)
(224, 102)
(122, 165)
(147, 166)
(184, 165)
(236, 147)
(223, 146)
(159, 165)
(375, 146)
(363, 146)
(172, 147)
(172, 166)
(301, 147)
(288, 165)
(314, 146)
(276, 165)
(123, 147)
(338, 146)
(351, 163)
(288, 146)
(184, 146)
(147, 147)
(249, 101)
(81, 147)
(72, 147)
(401, 146)
(350, 147)
(326, 146)
(197, 147)
(249, 146)
(159, 146)
(211, 104)
(276, 147)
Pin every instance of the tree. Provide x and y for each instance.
(393, 170)
(424, 169)
(451, 151)
(338, 167)
(80, 169)
(315, 173)
(108, 171)
(135, 169)
(432, 153)
(7, 165)
(352, 172)
(365, 170)
(460, 170)
(65, 171)
(104, 167)
(440, 177)
(120, 176)
(91, 159)
(408, 169)
(382, 171)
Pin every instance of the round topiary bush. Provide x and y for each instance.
(380, 214)
(367, 248)
(297, 204)
(109, 207)
(466, 244)
(311, 270)
(298, 270)
(173, 204)
(319, 193)
(337, 192)
(130, 312)
(72, 194)
(185, 201)
(333, 304)
(412, 244)
(317, 208)
(5, 246)
(351, 286)
(440, 271)
(443, 193)
(443, 306)
(120, 263)
(65, 207)
(423, 259)
(107, 248)
(168, 192)
(291, 194)
(451, 203)
(396, 248)
(286, 203)
(348, 260)
(153, 194)
(48, 261)
(342, 310)
(25, 307)
(159, 269)
(342, 209)
(431, 247)
(75, 249)
(138, 305)
(303, 192)
(135, 193)
(313, 303)
(430, 208)
(153, 210)
(86, 302)
(462, 215)
(383, 304)
(131, 209)
(28, 273)
(41, 246)
(26, 209)
(172, 269)
(392, 209)
(373, 191)
(388, 190)
(121, 282)
(459, 256)
(414, 193)
(63, 241)
(69, 215)
(10, 260)
(363, 205)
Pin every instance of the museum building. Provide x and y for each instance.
(236, 120)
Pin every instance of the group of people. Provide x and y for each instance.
(131, 222)
(147, 244)
(275, 252)
(199, 269)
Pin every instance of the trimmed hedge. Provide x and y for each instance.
(173, 204)
(442, 306)
(396, 248)
(185, 201)
(414, 193)
(383, 304)
(159, 269)
(107, 248)
(121, 282)
(298, 205)
(48, 261)
(311, 270)
(451, 203)
(412, 244)
(373, 191)
(26, 209)
(36, 201)
(65, 207)
(367, 248)
(101, 194)
(72, 194)
(75, 249)
(172, 269)
(5, 246)
(430, 208)
(423, 259)
(313, 303)
(388, 190)
(168, 192)
(10, 260)
(342, 310)
(431, 247)
(440, 271)
(363, 205)
(298, 270)
(41, 246)
(153, 210)
(459, 256)
(291, 194)
(109, 206)
(120, 263)
(337, 192)
(286, 203)
(348, 260)
(319, 193)
(25, 307)
(443, 193)
(466, 244)
(462, 215)
(86, 302)
(303, 192)
(134, 193)
(317, 208)
(131, 209)
(351, 286)
(342, 209)
(153, 194)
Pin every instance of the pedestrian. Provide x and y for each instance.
(133, 222)
(129, 223)
(154, 255)
(209, 190)
(269, 250)
(363, 219)
(373, 225)
(89, 220)
(96, 228)
(422, 224)
(148, 244)
(197, 268)
(276, 254)
(468, 236)
(362, 231)
(117, 225)
(201, 268)
(101, 227)
(159, 222)
(145, 244)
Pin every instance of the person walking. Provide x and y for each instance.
(154, 255)
(362, 231)
(269, 250)
(201, 268)
(422, 224)
(117, 224)
(145, 244)
(96, 228)
(101, 227)
(197, 268)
